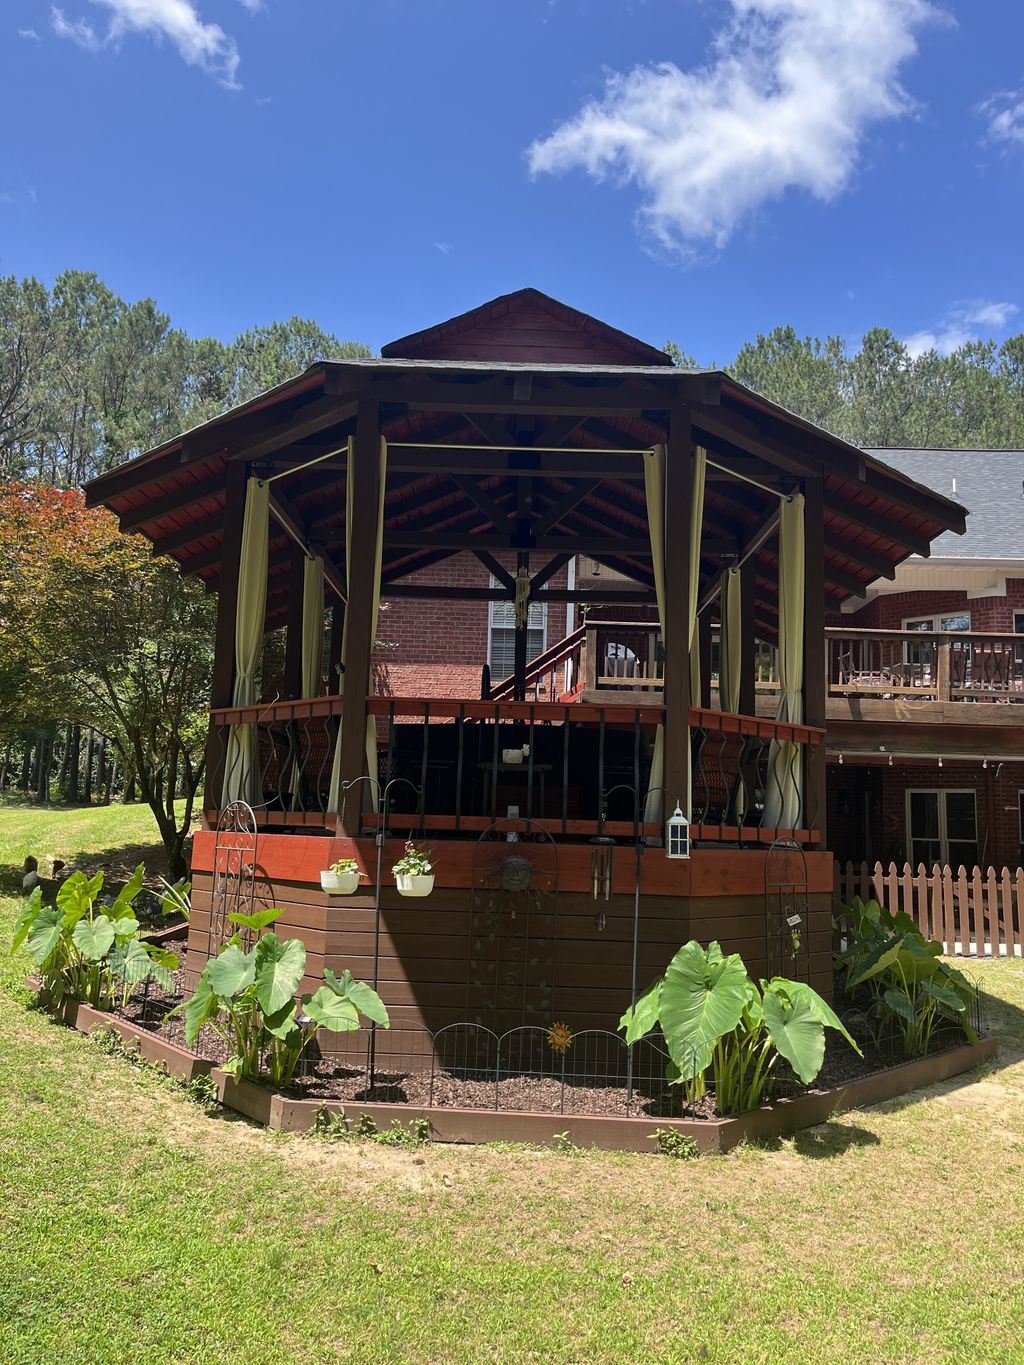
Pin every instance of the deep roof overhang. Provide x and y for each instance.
(174, 495)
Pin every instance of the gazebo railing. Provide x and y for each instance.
(471, 761)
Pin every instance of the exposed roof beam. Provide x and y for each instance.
(485, 502)
(577, 492)
(285, 515)
(497, 570)
(516, 462)
(176, 501)
(185, 535)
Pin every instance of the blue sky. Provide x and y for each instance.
(690, 169)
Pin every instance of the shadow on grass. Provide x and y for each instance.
(832, 1139)
(117, 865)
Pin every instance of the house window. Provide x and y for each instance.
(959, 620)
(1018, 623)
(501, 648)
(942, 827)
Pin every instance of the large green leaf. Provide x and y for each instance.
(127, 927)
(641, 1018)
(202, 1007)
(944, 996)
(26, 915)
(129, 962)
(822, 1010)
(258, 920)
(93, 937)
(231, 972)
(900, 1003)
(879, 958)
(798, 1034)
(332, 1011)
(76, 895)
(282, 1023)
(280, 966)
(364, 997)
(702, 998)
(44, 935)
(123, 903)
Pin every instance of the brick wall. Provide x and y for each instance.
(890, 610)
(998, 828)
(438, 648)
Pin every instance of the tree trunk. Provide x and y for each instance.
(130, 794)
(72, 788)
(65, 761)
(90, 744)
(26, 767)
(43, 749)
(101, 768)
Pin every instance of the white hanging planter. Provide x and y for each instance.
(414, 883)
(339, 883)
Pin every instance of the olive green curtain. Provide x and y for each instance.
(654, 487)
(334, 802)
(783, 797)
(241, 765)
(730, 642)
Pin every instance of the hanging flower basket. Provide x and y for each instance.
(342, 878)
(413, 873)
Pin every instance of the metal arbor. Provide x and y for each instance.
(787, 947)
(511, 957)
(234, 873)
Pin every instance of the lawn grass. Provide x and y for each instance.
(135, 1227)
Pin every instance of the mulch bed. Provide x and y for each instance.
(345, 1080)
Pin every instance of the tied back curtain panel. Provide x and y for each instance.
(312, 653)
(654, 487)
(334, 802)
(783, 797)
(731, 644)
(241, 766)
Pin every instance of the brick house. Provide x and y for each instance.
(928, 768)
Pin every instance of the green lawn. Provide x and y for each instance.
(136, 1228)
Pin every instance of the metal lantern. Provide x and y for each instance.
(677, 835)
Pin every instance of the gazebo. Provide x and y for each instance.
(516, 437)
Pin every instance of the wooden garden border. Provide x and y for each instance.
(289, 1115)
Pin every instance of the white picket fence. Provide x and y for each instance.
(976, 913)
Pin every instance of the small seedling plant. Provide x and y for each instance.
(85, 950)
(414, 862)
(248, 999)
(898, 979)
(714, 1022)
(344, 867)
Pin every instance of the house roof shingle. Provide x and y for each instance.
(989, 483)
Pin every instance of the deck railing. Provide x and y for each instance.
(577, 768)
(976, 666)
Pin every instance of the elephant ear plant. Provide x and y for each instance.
(898, 981)
(248, 999)
(716, 1022)
(85, 950)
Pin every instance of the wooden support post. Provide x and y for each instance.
(675, 627)
(814, 651)
(520, 641)
(223, 680)
(364, 472)
(704, 646)
(293, 628)
(942, 675)
(748, 637)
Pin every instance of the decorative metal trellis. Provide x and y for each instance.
(787, 947)
(511, 957)
(234, 873)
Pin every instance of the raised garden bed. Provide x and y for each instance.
(451, 1124)
(172, 1058)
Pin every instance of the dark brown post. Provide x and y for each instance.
(814, 651)
(364, 472)
(520, 640)
(675, 627)
(748, 636)
(293, 630)
(223, 681)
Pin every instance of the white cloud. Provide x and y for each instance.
(443, 247)
(29, 33)
(206, 46)
(964, 322)
(1005, 112)
(785, 104)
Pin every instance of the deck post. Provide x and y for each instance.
(364, 472)
(814, 651)
(704, 634)
(293, 630)
(223, 679)
(675, 627)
